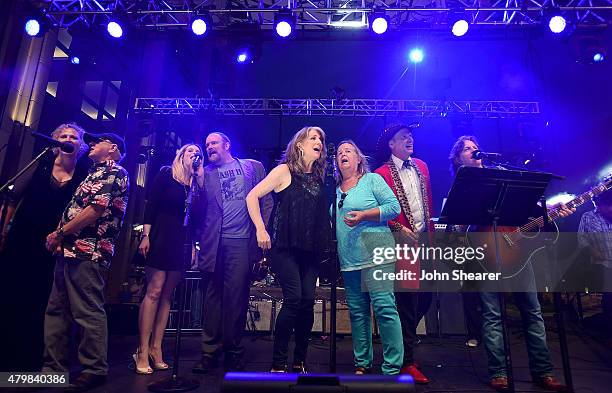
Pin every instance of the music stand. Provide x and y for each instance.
(486, 196)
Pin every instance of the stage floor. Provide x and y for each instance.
(451, 366)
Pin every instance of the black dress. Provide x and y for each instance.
(165, 213)
(300, 219)
(26, 263)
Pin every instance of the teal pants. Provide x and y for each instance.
(361, 291)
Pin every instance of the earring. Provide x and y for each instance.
(301, 152)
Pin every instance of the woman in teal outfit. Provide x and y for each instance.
(364, 204)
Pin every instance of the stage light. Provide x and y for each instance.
(460, 27)
(114, 29)
(32, 27)
(283, 29)
(284, 22)
(598, 57)
(199, 26)
(416, 55)
(557, 24)
(379, 22)
(75, 60)
(242, 57)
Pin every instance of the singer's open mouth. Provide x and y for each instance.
(344, 160)
(317, 149)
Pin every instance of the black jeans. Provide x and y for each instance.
(226, 301)
(297, 273)
(411, 307)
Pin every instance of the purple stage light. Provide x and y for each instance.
(32, 27)
(114, 29)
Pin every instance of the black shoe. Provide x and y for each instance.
(233, 363)
(86, 381)
(206, 365)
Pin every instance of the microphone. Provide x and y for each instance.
(196, 161)
(479, 155)
(64, 146)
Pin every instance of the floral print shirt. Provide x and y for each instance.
(106, 186)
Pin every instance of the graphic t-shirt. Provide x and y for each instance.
(235, 214)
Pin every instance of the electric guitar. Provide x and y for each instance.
(518, 245)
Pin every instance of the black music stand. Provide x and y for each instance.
(485, 196)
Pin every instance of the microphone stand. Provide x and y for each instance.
(331, 185)
(8, 186)
(175, 383)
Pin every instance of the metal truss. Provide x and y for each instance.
(324, 14)
(333, 107)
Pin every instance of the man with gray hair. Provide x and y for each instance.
(228, 250)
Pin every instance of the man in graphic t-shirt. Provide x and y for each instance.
(228, 250)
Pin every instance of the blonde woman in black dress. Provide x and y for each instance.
(162, 245)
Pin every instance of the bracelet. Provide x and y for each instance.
(145, 235)
(60, 231)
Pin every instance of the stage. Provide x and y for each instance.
(450, 365)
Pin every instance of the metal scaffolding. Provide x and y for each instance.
(333, 107)
(324, 14)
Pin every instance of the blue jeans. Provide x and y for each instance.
(534, 329)
(385, 311)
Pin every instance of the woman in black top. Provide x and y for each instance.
(40, 196)
(163, 245)
(300, 228)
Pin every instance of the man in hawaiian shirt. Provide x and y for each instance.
(84, 244)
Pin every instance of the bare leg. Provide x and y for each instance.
(163, 311)
(148, 311)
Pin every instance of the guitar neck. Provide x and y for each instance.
(553, 214)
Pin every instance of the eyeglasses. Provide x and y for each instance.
(341, 202)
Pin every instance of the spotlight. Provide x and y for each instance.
(284, 22)
(379, 22)
(201, 23)
(114, 29)
(460, 28)
(198, 26)
(416, 55)
(75, 60)
(459, 22)
(32, 27)
(557, 24)
(598, 57)
(242, 57)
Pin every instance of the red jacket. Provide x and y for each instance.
(402, 219)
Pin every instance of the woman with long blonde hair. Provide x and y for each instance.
(162, 245)
(300, 228)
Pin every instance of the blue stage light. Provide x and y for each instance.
(283, 29)
(598, 57)
(114, 29)
(199, 26)
(557, 24)
(242, 57)
(460, 27)
(32, 27)
(75, 60)
(416, 55)
(380, 25)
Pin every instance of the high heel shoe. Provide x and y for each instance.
(142, 371)
(158, 365)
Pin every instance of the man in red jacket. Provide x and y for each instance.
(409, 179)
